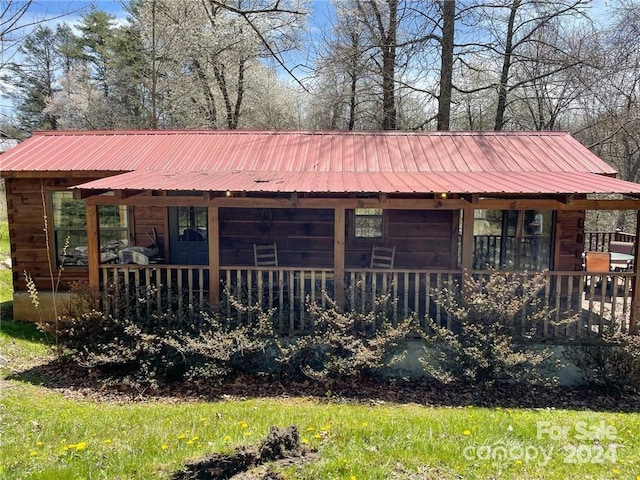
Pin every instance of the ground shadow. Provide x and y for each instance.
(75, 380)
(19, 330)
(6, 310)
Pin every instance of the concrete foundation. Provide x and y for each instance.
(24, 310)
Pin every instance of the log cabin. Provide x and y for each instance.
(280, 218)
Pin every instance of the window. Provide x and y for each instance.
(192, 224)
(368, 223)
(512, 239)
(69, 218)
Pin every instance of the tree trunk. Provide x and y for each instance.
(211, 111)
(446, 69)
(506, 66)
(389, 113)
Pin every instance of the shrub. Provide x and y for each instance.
(613, 362)
(492, 320)
(343, 345)
(158, 349)
(230, 347)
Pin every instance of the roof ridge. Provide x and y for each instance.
(303, 132)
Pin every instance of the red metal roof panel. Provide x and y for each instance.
(371, 152)
(365, 182)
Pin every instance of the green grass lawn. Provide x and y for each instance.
(4, 239)
(47, 436)
(6, 285)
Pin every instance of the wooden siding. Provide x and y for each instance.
(26, 232)
(303, 236)
(570, 240)
(423, 239)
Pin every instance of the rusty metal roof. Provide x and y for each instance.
(457, 162)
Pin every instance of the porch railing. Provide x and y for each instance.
(599, 241)
(597, 303)
(154, 292)
(282, 290)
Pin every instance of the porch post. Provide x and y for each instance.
(93, 245)
(635, 299)
(338, 255)
(467, 240)
(214, 256)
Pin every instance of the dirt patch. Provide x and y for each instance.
(250, 463)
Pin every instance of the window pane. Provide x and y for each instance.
(67, 211)
(513, 239)
(368, 223)
(71, 247)
(192, 224)
(487, 231)
(70, 229)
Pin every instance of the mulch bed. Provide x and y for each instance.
(75, 381)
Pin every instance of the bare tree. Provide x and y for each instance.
(525, 20)
(12, 28)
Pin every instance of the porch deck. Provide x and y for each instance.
(150, 291)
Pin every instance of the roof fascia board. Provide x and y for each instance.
(59, 174)
(389, 203)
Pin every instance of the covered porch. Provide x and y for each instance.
(320, 260)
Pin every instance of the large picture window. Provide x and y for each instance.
(368, 223)
(69, 218)
(513, 239)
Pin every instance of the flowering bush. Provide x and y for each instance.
(491, 321)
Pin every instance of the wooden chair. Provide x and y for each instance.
(626, 248)
(382, 257)
(621, 247)
(265, 255)
(597, 262)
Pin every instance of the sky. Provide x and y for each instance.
(53, 12)
(70, 11)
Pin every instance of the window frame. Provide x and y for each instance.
(370, 216)
(58, 241)
(521, 237)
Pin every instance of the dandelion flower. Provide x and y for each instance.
(33, 453)
(39, 443)
(108, 440)
(164, 446)
(181, 436)
(244, 424)
(310, 429)
(365, 424)
(81, 446)
(226, 438)
(615, 471)
(467, 432)
(305, 440)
